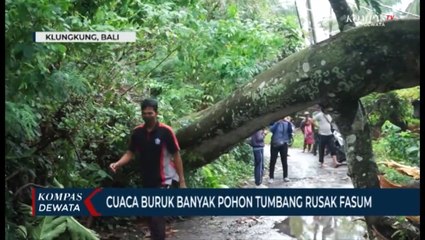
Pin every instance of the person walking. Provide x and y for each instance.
(156, 149)
(281, 136)
(324, 122)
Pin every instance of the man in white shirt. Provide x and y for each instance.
(324, 121)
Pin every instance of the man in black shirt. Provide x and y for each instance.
(156, 149)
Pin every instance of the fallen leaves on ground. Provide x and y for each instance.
(404, 169)
(414, 219)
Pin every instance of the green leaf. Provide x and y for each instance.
(102, 174)
(22, 232)
(61, 48)
(232, 11)
(28, 51)
(49, 228)
(79, 232)
(412, 149)
(53, 227)
(57, 183)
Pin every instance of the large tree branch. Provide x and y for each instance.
(349, 65)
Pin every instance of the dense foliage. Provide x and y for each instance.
(394, 105)
(395, 129)
(70, 107)
(228, 171)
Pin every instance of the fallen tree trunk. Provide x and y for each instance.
(347, 66)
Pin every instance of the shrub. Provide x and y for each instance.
(401, 146)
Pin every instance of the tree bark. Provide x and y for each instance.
(352, 123)
(347, 66)
(343, 13)
(310, 19)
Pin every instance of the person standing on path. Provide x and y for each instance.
(324, 121)
(307, 128)
(156, 150)
(281, 136)
(257, 144)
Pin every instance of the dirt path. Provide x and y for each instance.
(304, 172)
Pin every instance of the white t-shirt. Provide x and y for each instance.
(323, 124)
